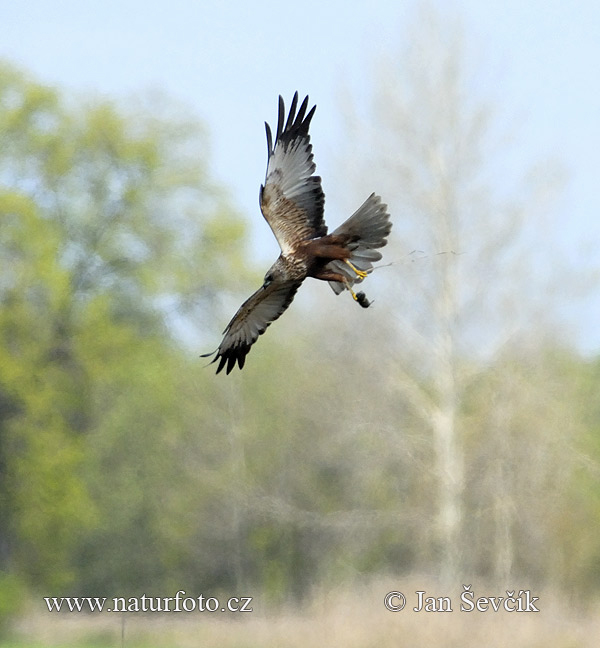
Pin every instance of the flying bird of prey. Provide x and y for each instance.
(292, 201)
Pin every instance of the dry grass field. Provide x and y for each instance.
(352, 619)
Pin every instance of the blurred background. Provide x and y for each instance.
(449, 434)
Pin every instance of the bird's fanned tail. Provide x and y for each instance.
(365, 231)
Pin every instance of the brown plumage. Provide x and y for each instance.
(292, 202)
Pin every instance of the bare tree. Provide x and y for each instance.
(458, 284)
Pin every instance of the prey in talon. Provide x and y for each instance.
(361, 298)
(292, 202)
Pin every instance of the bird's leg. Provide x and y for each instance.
(359, 273)
(360, 297)
(351, 291)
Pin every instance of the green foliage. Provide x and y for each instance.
(12, 598)
(42, 392)
(128, 468)
(109, 226)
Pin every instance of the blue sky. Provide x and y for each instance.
(230, 60)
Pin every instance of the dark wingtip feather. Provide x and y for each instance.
(223, 359)
(208, 355)
(295, 124)
(217, 357)
(231, 362)
(302, 111)
(290, 120)
(269, 139)
(309, 117)
(280, 117)
(228, 359)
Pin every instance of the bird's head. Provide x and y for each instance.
(274, 273)
(268, 279)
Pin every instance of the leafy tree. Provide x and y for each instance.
(110, 228)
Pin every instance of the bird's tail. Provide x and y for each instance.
(365, 231)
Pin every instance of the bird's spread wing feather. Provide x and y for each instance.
(292, 199)
(251, 320)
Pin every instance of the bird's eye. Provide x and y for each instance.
(268, 280)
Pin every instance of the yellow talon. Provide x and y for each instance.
(359, 273)
(349, 287)
(359, 297)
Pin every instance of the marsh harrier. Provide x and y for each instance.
(291, 200)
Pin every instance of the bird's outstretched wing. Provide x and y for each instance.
(251, 320)
(291, 199)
